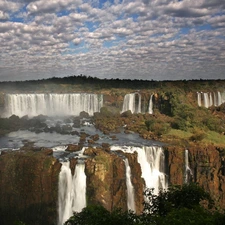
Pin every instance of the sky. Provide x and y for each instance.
(125, 39)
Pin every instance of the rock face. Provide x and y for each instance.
(106, 179)
(207, 166)
(28, 187)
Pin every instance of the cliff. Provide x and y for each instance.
(207, 168)
(106, 179)
(28, 187)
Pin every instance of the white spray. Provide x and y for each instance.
(150, 109)
(72, 191)
(130, 188)
(151, 160)
(187, 172)
(52, 104)
(129, 103)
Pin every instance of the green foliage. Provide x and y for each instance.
(98, 215)
(157, 127)
(213, 123)
(126, 114)
(161, 128)
(186, 196)
(148, 124)
(105, 112)
(198, 135)
(18, 222)
(186, 216)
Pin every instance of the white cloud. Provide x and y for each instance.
(159, 39)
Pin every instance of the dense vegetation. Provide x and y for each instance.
(179, 205)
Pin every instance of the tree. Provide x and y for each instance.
(98, 215)
(186, 196)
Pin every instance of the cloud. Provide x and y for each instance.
(185, 9)
(42, 6)
(160, 39)
(4, 15)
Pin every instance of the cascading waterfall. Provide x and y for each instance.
(71, 191)
(151, 160)
(130, 188)
(223, 97)
(206, 100)
(187, 171)
(129, 103)
(210, 98)
(52, 104)
(199, 99)
(219, 98)
(215, 99)
(150, 109)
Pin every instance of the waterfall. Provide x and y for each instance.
(199, 99)
(219, 98)
(215, 102)
(211, 98)
(129, 103)
(206, 100)
(52, 104)
(130, 188)
(71, 191)
(150, 109)
(151, 160)
(187, 171)
(223, 96)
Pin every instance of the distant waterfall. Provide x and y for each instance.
(129, 103)
(206, 100)
(130, 188)
(152, 161)
(150, 108)
(209, 99)
(71, 191)
(199, 99)
(187, 170)
(52, 104)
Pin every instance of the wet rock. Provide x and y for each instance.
(84, 114)
(95, 137)
(73, 148)
(76, 123)
(106, 146)
(90, 141)
(83, 138)
(47, 151)
(66, 129)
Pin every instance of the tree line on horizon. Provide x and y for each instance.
(99, 83)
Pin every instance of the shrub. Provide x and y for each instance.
(198, 135)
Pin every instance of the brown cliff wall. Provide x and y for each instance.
(207, 166)
(28, 188)
(106, 179)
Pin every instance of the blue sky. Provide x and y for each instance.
(139, 39)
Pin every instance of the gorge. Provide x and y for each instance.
(111, 145)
